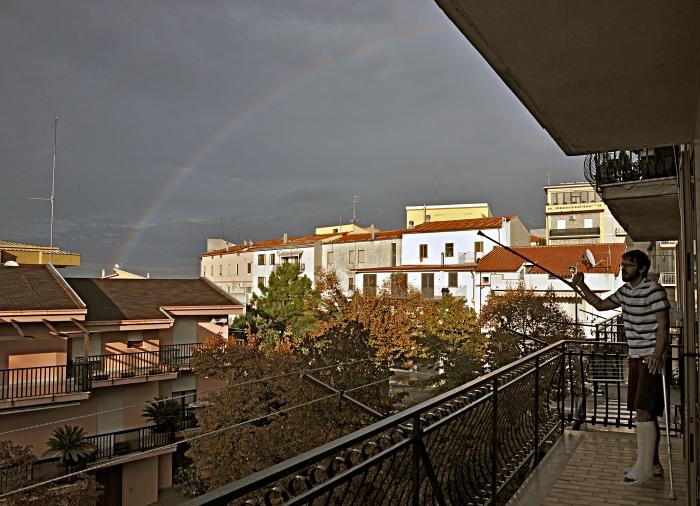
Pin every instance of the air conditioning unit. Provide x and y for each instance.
(240, 285)
(572, 217)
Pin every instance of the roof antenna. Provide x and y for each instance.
(436, 183)
(355, 200)
(53, 189)
(222, 228)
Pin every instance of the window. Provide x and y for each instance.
(588, 222)
(236, 269)
(250, 267)
(449, 249)
(204, 270)
(212, 271)
(369, 283)
(484, 280)
(351, 257)
(393, 254)
(410, 224)
(185, 397)
(221, 270)
(361, 256)
(452, 279)
(567, 198)
(423, 251)
(561, 224)
(427, 218)
(261, 259)
(575, 198)
(479, 247)
(351, 283)
(272, 259)
(261, 282)
(228, 269)
(329, 258)
(427, 285)
(335, 230)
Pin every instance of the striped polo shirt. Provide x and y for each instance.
(638, 307)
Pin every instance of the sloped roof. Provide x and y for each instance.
(21, 246)
(555, 258)
(34, 288)
(140, 299)
(231, 249)
(450, 225)
(389, 234)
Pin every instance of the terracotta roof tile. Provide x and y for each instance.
(449, 225)
(389, 234)
(555, 258)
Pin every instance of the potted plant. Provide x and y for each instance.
(69, 444)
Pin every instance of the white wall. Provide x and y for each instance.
(307, 258)
(463, 241)
(377, 254)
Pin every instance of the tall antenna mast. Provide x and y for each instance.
(355, 200)
(53, 189)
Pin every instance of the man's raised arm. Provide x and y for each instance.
(590, 297)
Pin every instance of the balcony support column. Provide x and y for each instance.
(686, 268)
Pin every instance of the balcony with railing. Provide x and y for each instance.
(476, 444)
(39, 385)
(168, 361)
(640, 189)
(667, 278)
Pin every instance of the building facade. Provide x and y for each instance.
(416, 215)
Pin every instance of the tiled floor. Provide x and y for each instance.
(592, 475)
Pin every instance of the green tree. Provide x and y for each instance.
(164, 413)
(287, 300)
(69, 444)
(15, 465)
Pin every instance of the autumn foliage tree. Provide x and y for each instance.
(15, 473)
(518, 312)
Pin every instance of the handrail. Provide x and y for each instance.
(169, 358)
(43, 381)
(487, 429)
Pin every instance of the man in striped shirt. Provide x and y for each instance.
(644, 307)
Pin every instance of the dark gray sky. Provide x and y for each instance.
(270, 114)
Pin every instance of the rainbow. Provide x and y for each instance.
(149, 215)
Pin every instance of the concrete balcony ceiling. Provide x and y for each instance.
(598, 76)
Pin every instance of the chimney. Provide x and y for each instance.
(148, 275)
(285, 238)
(245, 242)
(372, 231)
(103, 273)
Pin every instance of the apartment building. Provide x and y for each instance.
(416, 215)
(442, 256)
(351, 253)
(93, 347)
(576, 214)
(36, 254)
(231, 269)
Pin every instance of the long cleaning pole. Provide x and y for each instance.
(672, 494)
(569, 283)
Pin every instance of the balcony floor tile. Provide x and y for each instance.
(585, 467)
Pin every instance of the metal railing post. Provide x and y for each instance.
(537, 409)
(416, 459)
(494, 442)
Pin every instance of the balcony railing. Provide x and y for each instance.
(574, 232)
(667, 278)
(472, 445)
(124, 442)
(620, 166)
(170, 358)
(469, 257)
(44, 381)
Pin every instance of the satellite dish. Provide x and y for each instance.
(116, 266)
(590, 257)
(11, 263)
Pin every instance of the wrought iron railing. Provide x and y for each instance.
(667, 278)
(124, 442)
(620, 166)
(473, 445)
(44, 381)
(169, 358)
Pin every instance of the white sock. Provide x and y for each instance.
(646, 444)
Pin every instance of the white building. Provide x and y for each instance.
(443, 255)
(230, 268)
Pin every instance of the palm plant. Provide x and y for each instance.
(69, 444)
(164, 413)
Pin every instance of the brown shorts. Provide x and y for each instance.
(645, 390)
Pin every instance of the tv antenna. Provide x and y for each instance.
(355, 200)
(53, 189)
(381, 218)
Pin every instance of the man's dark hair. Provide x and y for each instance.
(638, 257)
